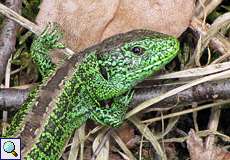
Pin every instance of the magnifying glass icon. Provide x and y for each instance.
(9, 147)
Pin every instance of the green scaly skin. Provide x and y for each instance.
(106, 73)
(39, 53)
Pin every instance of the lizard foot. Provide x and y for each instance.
(50, 37)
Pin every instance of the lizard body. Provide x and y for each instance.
(73, 94)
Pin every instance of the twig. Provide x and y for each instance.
(209, 7)
(201, 93)
(173, 92)
(8, 38)
(11, 99)
(26, 23)
(20, 20)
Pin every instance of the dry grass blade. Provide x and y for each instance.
(123, 146)
(219, 42)
(79, 136)
(220, 22)
(7, 85)
(172, 92)
(101, 146)
(19, 19)
(146, 132)
(95, 130)
(26, 23)
(141, 146)
(213, 125)
(196, 72)
(176, 114)
(203, 133)
(208, 5)
(170, 126)
(73, 154)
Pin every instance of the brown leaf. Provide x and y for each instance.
(171, 151)
(126, 133)
(87, 22)
(197, 150)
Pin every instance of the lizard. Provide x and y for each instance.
(73, 92)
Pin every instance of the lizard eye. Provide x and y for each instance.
(137, 50)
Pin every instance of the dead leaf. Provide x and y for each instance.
(126, 133)
(87, 22)
(198, 151)
(114, 156)
(171, 151)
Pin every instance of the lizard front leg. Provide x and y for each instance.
(42, 45)
(114, 115)
(97, 85)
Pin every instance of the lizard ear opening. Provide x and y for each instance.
(104, 73)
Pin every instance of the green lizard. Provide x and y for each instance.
(75, 90)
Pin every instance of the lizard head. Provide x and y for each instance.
(138, 55)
